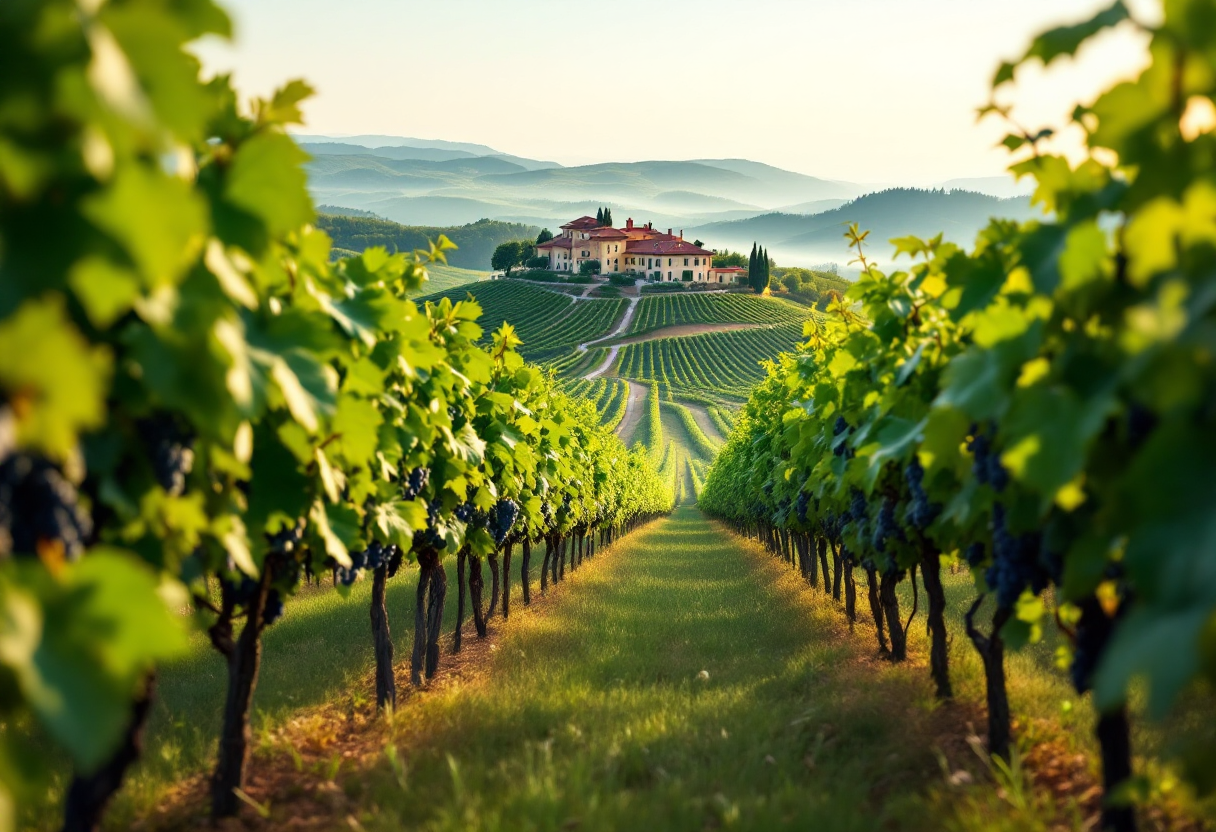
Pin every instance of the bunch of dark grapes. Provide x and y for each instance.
(804, 502)
(974, 554)
(921, 513)
(886, 529)
(546, 513)
(413, 483)
(502, 519)
(39, 508)
(170, 447)
(840, 427)
(1015, 562)
(430, 537)
(470, 515)
(986, 464)
(394, 559)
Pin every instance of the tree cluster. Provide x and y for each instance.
(759, 269)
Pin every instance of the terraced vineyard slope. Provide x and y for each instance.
(659, 311)
(548, 322)
(608, 394)
(712, 367)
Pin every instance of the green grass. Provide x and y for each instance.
(444, 278)
(321, 651)
(596, 715)
(658, 311)
(725, 364)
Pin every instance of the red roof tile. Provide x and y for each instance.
(583, 222)
(556, 242)
(666, 247)
(607, 233)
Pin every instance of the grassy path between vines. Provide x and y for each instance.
(594, 713)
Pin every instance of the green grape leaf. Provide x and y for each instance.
(1160, 645)
(357, 424)
(54, 380)
(157, 219)
(1064, 40)
(267, 179)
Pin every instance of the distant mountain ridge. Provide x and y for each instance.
(895, 212)
(729, 203)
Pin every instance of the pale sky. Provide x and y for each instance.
(870, 91)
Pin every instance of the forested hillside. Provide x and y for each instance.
(475, 242)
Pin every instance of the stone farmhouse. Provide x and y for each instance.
(634, 249)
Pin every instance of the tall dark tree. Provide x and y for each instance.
(753, 267)
(599, 216)
(608, 216)
(544, 236)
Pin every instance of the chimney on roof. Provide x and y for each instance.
(629, 223)
(681, 233)
(669, 232)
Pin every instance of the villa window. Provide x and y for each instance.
(685, 261)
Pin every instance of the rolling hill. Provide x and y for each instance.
(897, 212)
(475, 242)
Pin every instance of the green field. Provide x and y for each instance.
(718, 364)
(549, 323)
(444, 278)
(658, 311)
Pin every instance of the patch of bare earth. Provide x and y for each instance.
(635, 408)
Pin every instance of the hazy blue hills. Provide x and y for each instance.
(728, 203)
(896, 212)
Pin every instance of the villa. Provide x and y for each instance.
(634, 249)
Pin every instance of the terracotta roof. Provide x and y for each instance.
(556, 242)
(728, 269)
(607, 233)
(665, 247)
(583, 222)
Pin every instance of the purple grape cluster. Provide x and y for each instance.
(413, 483)
(372, 558)
(502, 519)
(842, 427)
(921, 513)
(804, 502)
(170, 447)
(1015, 562)
(885, 528)
(986, 464)
(430, 537)
(39, 505)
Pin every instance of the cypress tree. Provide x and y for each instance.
(599, 216)
(753, 265)
(608, 217)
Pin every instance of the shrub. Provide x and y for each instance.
(589, 267)
(542, 275)
(621, 279)
(540, 261)
(659, 288)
